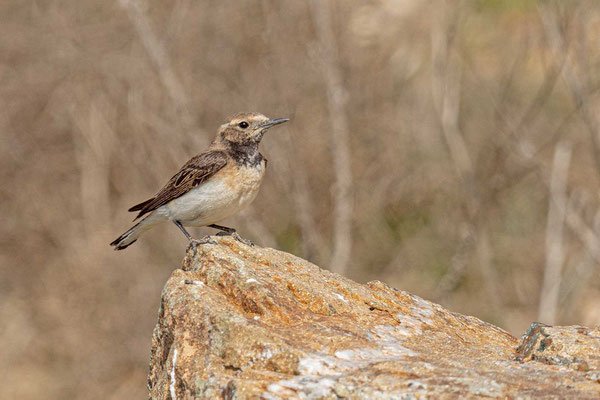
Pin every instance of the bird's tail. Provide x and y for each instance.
(129, 237)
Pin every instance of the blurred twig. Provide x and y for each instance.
(446, 87)
(446, 80)
(314, 247)
(587, 236)
(554, 233)
(340, 137)
(93, 139)
(157, 52)
(312, 243)
(529, 157)
(588, 263)
(590, 238)
(571, 77)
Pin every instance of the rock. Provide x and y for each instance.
(575, 347)
(241, 322)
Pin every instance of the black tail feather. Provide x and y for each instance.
(124, 247)
(140, 206)
(117, 242)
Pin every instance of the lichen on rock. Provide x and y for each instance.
(576, 347)
(249, 322)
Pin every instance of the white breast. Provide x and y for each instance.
(220, 197)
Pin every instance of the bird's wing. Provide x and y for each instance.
(196, 171)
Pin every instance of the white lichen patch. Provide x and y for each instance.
(266, 354)
(172, 374)
(320, 364)
(194, 282)
(422, 309)
(387, 347)
(409, 325)
(319, 372)
(239, 263)
(484, 387)
(389, 352)
(426, 312)
(304, 387)
(423, 304)
(339, 296)
(423, 314)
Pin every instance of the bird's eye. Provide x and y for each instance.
(243, 125)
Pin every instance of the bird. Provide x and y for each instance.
(212, 186)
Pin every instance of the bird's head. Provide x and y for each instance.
(246, 128)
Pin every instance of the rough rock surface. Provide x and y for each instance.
(239, 322)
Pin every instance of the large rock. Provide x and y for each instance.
(239, 322)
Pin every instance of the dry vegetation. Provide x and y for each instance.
(470, 128)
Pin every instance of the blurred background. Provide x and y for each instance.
(450, 149)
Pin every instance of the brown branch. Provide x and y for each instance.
(554, 233)
(313, 246)
(340, 137)
(571, 77)
(446, 80)
(159, 55)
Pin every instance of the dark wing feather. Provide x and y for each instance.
(143, 204)
(196, 171)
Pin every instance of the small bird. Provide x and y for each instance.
(212, 186)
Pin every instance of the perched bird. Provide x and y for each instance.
(212, 186)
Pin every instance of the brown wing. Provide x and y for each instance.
(194, 172)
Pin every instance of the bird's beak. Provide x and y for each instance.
(273, 122)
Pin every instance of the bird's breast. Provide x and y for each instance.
(244, 180)
(228, 191)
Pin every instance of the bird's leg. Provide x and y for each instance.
(193, 242)
(187, 235)
(231, 232)
(223, 228)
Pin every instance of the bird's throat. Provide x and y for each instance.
(245, 154)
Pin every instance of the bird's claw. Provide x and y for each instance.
(237, 237)
(204, 240)
(242, 240)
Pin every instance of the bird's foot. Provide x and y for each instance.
(194, 243)
(242, 240)
(237, 237)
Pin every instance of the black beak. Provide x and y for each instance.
(273, 122)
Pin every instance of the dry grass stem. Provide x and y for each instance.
(555, 256)
(340, 137)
